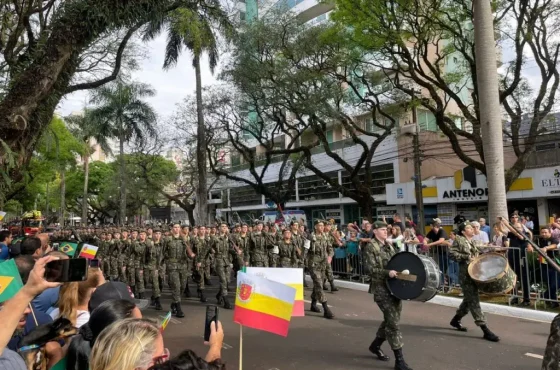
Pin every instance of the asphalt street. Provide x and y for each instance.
(316, 343)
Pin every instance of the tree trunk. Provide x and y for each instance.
(62, 196)
(86, 181)
(202, 192)
(367, 209)
(489, 105)
(122, 178)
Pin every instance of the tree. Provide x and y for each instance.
(430, 44)
(194, 30)
(294, 83)
(91, 133)
(44, 45)
(126, 116)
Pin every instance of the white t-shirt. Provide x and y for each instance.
(83, 316)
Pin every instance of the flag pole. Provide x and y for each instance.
(33, 313)
(240, 347)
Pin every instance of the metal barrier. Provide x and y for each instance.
(536, 287)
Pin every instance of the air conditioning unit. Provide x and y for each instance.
(410, 129)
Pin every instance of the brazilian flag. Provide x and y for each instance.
(69, 248)
(10, 281)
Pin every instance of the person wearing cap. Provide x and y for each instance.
(222, 247)
(174, 250)
(154, 256)
(257, 247)
(115, 290)
(299, 242)
(242, 240)
(186, 263)
(317, 265)
(464, 251)
(201, 250)
(333, 243)
(377, 252)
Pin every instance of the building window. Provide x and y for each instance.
(242, 16)
(330, 136)
(426, 120)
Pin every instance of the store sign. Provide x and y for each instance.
(332, 213)
(466, 175)
(400, 193)
(552, 184)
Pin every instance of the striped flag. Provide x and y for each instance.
(88, 251)
(292, 277)
(10, 280)
(263, 304)
(165, 321)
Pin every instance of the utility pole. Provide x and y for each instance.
(490, 110)
(418, 173)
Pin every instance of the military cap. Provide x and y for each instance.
(463, 225)
(237, 225)
(319, 221)
(379, 224)
(244, 224)
(258, 222)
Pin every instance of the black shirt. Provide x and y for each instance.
(434, 237)
(548, 242)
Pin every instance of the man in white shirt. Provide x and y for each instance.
(479, 234)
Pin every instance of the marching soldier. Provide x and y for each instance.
(201, 250)
(243, 240)
(153, 260)
(329, 272)
(464, 251)
(138, 256)
(287, 251)
(257, 247)
(210, 261)
(221, 245)
(377, 252)
(174, 250)
(124, 245)
(317, 264)
(186, 264)
(113, 244)
(272, 239)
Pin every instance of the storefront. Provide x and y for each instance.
(536, 193)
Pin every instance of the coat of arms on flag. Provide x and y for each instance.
(68, 248)
(245, 290)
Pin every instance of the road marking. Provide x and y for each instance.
(175, 321)
(306, 301)
(534, 356)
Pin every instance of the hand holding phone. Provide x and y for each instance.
(211, 316)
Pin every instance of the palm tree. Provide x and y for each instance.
(120, 106)
(194, 28)
(90, 132)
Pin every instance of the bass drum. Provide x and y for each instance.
(427, 277)
(492, 274)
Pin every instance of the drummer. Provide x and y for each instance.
(464, 251)
(377, 252)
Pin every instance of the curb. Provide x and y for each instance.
(491, 308)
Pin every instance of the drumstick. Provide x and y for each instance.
(406, 277)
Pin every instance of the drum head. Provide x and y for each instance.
(487, 267)
(403, 289)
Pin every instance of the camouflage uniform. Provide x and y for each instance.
(115, 253)
(185, 270)
(201, 249)
(376, 256)
(153, 256)
(174, 251)
(329, 271)
(125, 247)
(287, 254)
(551, 357)
(243, 242)
(221, 246)
(462, 251)
(271, 241)
(257, 250)
(316, 262)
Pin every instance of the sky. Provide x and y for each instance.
(172, 86)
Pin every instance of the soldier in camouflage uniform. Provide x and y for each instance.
(272, 239)
(464, 251)
(114, 256)
(330, 250)
(174, 251)
(186, 264)
(242, 241)
(209, 235)
(377, 253)
(298, 240)
(138, 257)
(221, 246)
(287, 251)
(316, 262)
(201, 250)
(124, 246)
(257, 247)
(153, 259)
(551, 358)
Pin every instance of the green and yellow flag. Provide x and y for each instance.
(10, 281)
(68, 248)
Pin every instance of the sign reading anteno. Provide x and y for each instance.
(467, 174)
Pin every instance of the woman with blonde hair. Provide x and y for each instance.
(74, 297)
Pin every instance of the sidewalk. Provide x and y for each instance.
(496, 309)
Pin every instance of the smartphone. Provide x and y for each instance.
(211, 315)
(94, 263)
(55, 246)
(64, 271)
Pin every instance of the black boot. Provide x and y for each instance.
(219, 298)
(179, 310)
(152, 301)
(227, 304)
(456, 323)
(488, 335)
(207, 282)
(173, 308)
(187, 291)
(400, 364)
(140, 295)
(333, 287)
(314, 307)
(375, 348)
(202, 297)
(327, 313)
(158, 304)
